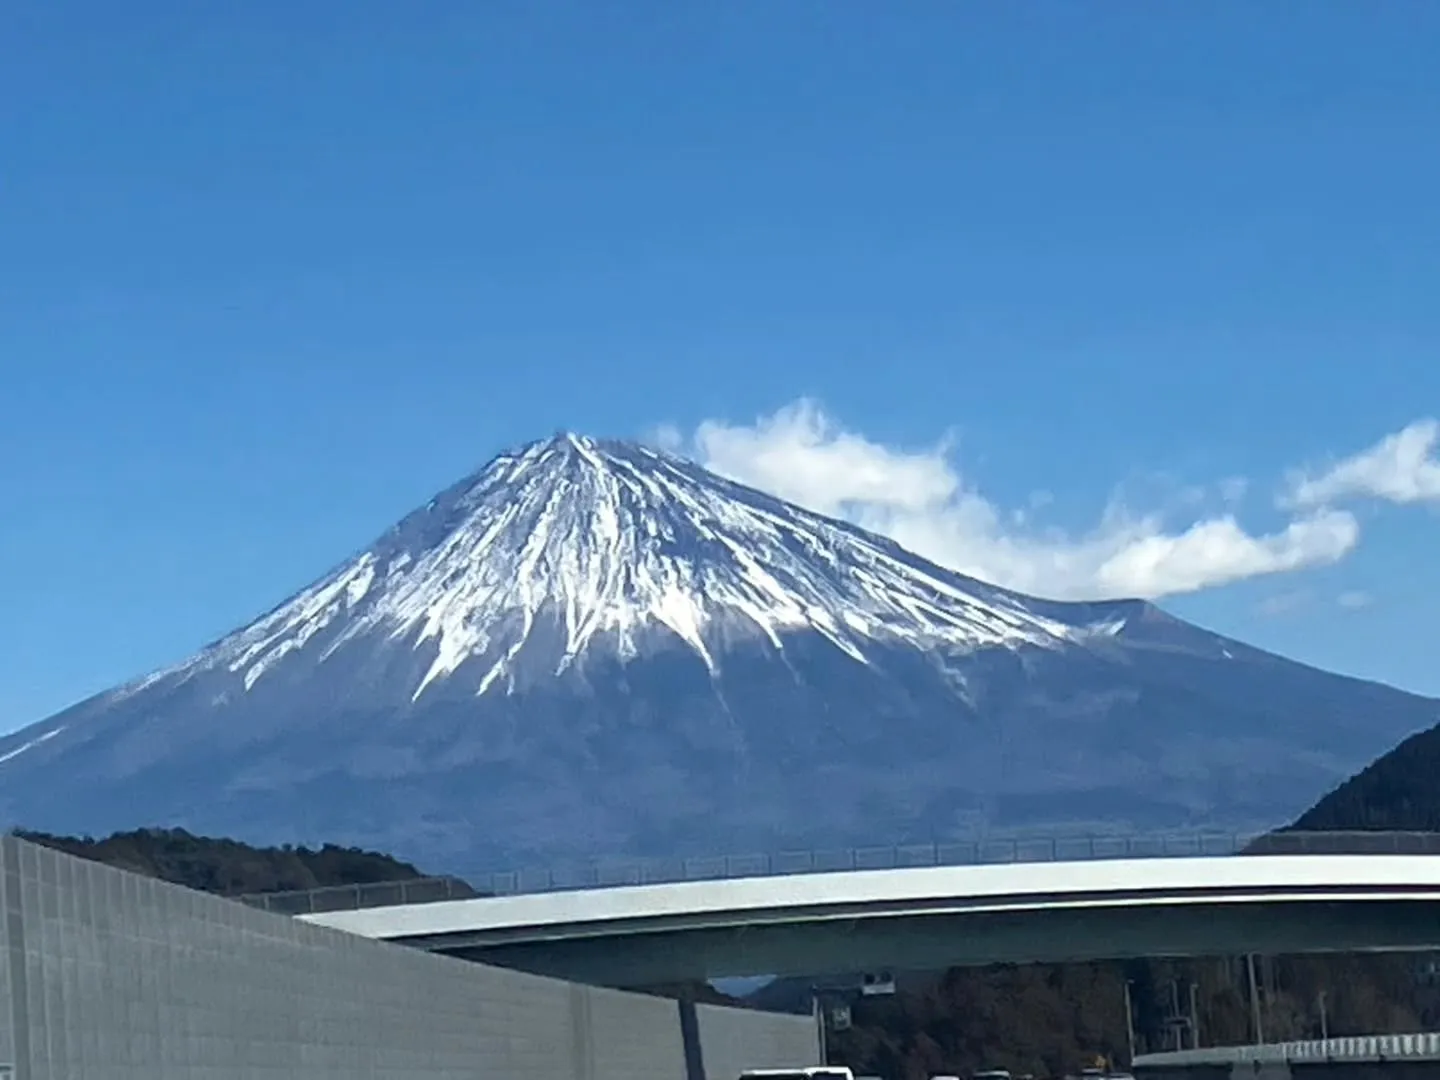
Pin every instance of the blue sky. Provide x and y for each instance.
(1074, 289)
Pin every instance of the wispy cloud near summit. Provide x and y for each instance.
(921, 498)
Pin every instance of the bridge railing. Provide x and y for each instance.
(1353, 1049)
(604, 873)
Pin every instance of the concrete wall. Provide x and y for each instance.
(106, 976)
(734, 1041)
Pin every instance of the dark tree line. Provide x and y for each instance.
(1396, 793)
(228, 867)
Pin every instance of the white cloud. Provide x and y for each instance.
(1354, 600)
(1400, 468)
(1219, 550)
(799, 454)
(919, 498)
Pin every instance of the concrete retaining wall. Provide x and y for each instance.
(734, 1040)
(105, 975)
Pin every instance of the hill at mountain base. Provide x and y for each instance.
(226, 867)
(1395, 793)
(594, 648)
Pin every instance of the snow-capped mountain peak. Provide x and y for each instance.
(595, 648)
(577, 541)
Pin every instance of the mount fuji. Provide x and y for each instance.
(594, 648)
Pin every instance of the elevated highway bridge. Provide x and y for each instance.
(934, 916)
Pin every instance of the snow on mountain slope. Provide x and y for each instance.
(595, 648)
(612, 540)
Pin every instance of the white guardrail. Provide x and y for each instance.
(605, 873)
(1424, 1046)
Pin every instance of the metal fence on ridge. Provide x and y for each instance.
(608, 873)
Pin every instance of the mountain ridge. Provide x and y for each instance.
(592, 647)
(352, 581)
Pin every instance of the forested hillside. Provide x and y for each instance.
(1398, 792)
(228, 867)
